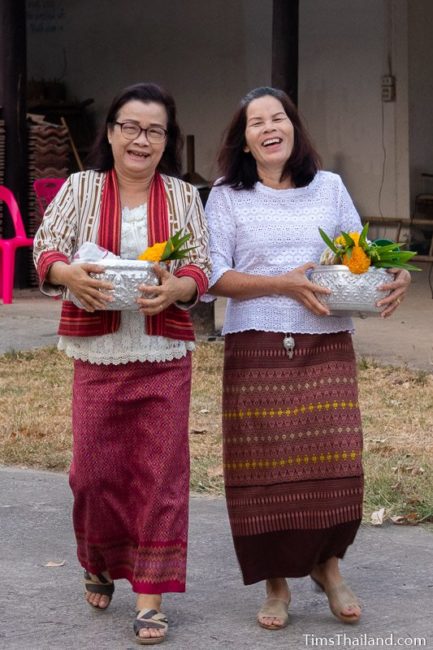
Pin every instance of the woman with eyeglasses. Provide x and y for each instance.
(132, 369)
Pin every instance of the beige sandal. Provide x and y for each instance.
(150, 619)
(340, 597)
(274, 608)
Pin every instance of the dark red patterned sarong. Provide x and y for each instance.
(130, 471)
(292, 451)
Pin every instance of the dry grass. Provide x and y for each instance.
(397, 405)
(35, 426)
(205, 419)
(35, 395)
(397, 408)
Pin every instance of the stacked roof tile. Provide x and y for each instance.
(49, 155)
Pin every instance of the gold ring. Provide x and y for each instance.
(398, 301)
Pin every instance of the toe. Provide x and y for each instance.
(103, 602)
(351, 610)
(98, 600)
(270, 621)
(92, 599)
(148, 633)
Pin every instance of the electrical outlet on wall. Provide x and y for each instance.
(388, 88)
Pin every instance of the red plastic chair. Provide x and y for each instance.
(45, 190)
(9, 246)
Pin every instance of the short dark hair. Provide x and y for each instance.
(101, 156)
(239, 168)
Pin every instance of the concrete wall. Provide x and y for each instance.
(208, 54)
(345, 48)
(420, 95)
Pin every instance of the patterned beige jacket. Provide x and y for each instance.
(73, 218)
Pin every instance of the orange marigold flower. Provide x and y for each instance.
(340, 241)
(153, 253)
(359, 262)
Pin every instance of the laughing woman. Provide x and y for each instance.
(132, 369)
(291, 423)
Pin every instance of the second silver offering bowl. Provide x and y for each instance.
(352, 294)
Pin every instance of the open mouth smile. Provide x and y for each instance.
(138, 154)
(271, 141)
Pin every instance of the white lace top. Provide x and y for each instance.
(268, 232)
(130, 342)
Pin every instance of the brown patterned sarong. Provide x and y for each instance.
(130, 471)
(292, 451)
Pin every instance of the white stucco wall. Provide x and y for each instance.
(208, 54)
(345, 46)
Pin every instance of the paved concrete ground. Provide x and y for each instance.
(42, 608)
(29, 322)
(404, 339)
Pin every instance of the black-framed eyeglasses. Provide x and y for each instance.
(132, 131)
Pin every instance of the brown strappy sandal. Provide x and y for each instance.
(98, 584)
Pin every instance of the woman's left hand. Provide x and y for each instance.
(171, 289)
(398, 288)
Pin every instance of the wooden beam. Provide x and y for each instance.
(13, 76)
(285, 40)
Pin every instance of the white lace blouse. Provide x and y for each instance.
(129, 342)
(268, 232)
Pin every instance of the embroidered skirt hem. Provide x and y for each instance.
(291, 553)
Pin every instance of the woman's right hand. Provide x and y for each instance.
(88, 290)
(296, 285)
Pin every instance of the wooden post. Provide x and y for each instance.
(72, 143)
(203, 314)
(203, 317)
(13, 78)
(285, 39)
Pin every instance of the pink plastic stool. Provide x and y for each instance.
(45, 190)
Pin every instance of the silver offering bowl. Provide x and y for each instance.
(126, 276)
(352, 294)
